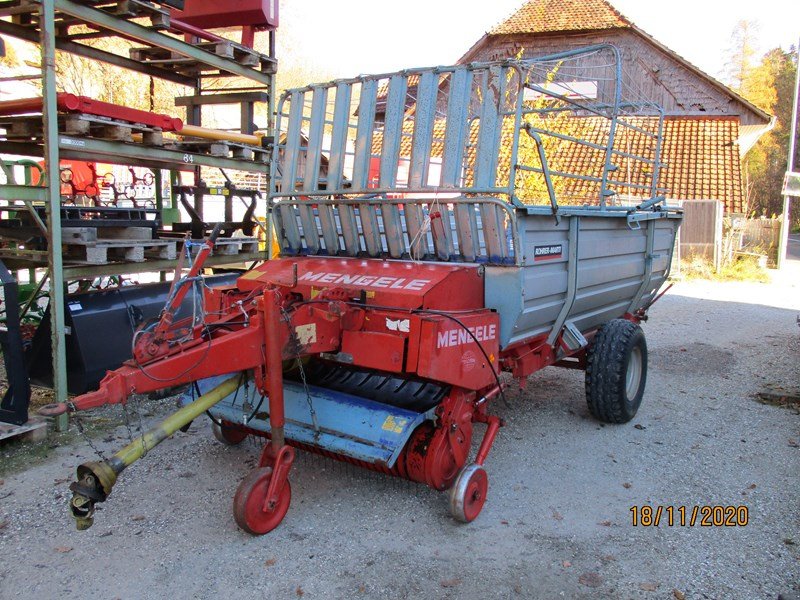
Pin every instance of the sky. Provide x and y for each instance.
(350, 37)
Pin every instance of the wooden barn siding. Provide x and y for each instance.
(701, 230)
(646, 67)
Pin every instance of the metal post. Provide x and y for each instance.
(785, 224)
(54, 259)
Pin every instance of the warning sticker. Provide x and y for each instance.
(548, 252)
(394, 424)
(306, 334)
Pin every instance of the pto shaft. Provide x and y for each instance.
(95, 479)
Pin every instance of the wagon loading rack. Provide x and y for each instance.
(412, 275)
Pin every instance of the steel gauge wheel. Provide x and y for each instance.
(248, 503)
(468, 494)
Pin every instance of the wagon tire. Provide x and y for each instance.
(616, 371)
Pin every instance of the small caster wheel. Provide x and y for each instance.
(468, 493)
(228, 434)
(248, 503)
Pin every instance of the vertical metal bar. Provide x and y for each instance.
(339, 135)
(313, 160)
(657, 157)
(647, 276)
(291, 151)
(316, 131)
(467, 225)
(316, 136)
(362, 159)
(417, 239)
(393, 130)
(425, 111)
(455, 138)
(456, 128)
(487, 158)
(613, 126)
(783, 240)
(340, 127)
(519, 99)
(572, 279)
(364, 130)
(390, 157)
(289, 237)
(489, 135)
(54, 259)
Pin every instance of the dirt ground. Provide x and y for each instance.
(557, 522)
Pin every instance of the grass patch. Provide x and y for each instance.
(744, 268)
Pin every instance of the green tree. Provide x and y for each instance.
(770, 85)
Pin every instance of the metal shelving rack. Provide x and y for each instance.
(190, 62)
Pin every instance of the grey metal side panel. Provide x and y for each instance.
(611, 271)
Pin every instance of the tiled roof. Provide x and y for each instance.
(701, 154)
(540, 16)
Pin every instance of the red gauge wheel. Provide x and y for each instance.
(228, 434)
(248, 503)
(468, 493)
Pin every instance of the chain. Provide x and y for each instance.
(82, 431)
(128, 423)
(296, 344)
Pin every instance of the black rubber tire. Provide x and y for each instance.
(607, 361)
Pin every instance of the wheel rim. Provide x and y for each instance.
(633, 374)
(228, 434)
(468, 495)
(248, 503)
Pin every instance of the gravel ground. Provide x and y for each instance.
(557, 522)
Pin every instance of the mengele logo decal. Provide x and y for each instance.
(548, 252)
(357, 280)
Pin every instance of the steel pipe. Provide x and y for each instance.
(96, 479)
(218, 134)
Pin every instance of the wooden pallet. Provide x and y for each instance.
(103, 251)
(229, 246)
(222, 149)
(223, 48)
(35, 430)
(233, 246)
(29, 128)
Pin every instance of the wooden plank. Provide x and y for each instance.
(35, 430)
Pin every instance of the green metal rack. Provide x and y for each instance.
(48, 22)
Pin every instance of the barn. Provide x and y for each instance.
(708, 127)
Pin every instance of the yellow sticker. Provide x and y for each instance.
(394, 424)
(315, 292)
(491, 358)
(370, 294)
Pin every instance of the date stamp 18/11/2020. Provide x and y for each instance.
(701, 515)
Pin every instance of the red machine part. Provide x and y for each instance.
(389, 316)
(85, 105)
(211, 14)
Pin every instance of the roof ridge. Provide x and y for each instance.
(538, 16)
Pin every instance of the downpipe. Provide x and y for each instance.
(94, 480)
